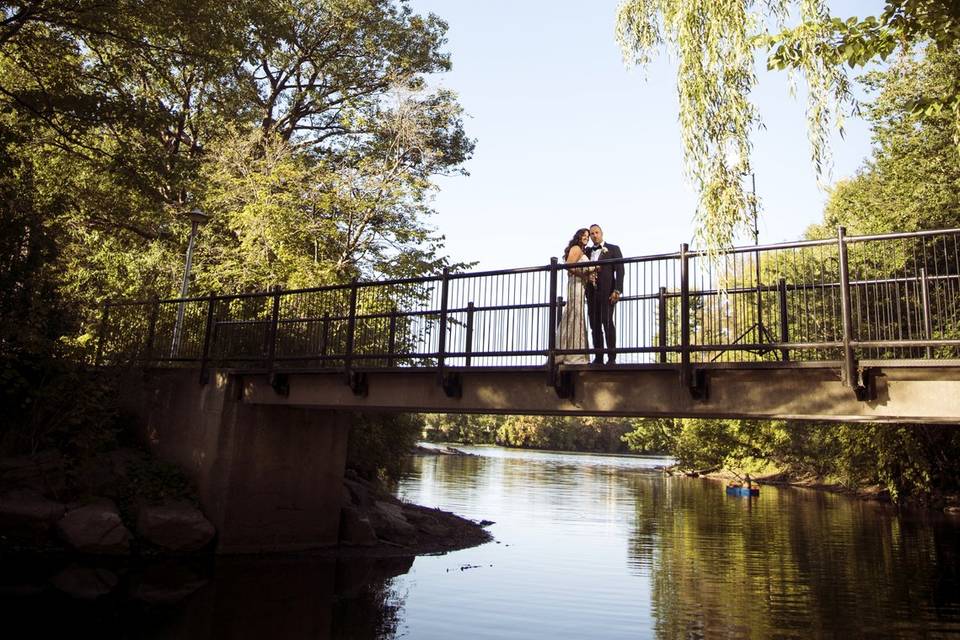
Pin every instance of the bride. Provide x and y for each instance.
(572, 333)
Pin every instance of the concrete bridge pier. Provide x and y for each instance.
(270, 477)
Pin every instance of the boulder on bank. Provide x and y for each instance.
(27, 515)
(95, 528)
(356, 530)
(382, 524)
(175, 526)
(391, 525)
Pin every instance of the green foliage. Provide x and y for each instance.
(379, 443)
(151, 481)
(557, 433)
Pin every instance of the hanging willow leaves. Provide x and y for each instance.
(715, 42)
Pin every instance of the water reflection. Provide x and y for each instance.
(255, 597)
(599, 546)
(794, 563)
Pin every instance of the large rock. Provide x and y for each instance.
(175, 526)
(358, 491)
(95, 528)
(355, 528)
(390, 524)
(85, 583)
(427, 523)
(25, 514)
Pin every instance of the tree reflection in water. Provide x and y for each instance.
(793, 563)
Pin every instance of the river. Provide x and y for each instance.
(586, 546)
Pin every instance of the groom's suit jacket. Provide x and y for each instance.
(610, 277)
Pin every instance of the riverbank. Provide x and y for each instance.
(947, 503)
(126, 504)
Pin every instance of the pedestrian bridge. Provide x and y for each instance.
(853, 328)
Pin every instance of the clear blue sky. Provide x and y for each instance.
(568, 136)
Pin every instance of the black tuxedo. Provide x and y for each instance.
(599, 308)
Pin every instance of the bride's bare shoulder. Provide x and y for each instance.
(574, 254)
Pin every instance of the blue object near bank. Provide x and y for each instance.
(742, 491)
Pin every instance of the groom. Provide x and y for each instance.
(602, 294)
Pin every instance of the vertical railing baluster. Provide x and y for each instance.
(849, 360)
(104, 328)
(468, 347)
(272, 329)
(662, 321)
(554, 319)
(351, 327)
(925, 299)
(685, 373)
(442, 338)
(392, 338)
(324, 339)
(151, 329)
(784, 320)
(207, 342)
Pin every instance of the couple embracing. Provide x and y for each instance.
(598, 286)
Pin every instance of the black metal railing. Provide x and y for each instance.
(838, 301)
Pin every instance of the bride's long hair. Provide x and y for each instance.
(575, 241)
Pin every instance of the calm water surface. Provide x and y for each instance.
(586, 547)
(607, 547)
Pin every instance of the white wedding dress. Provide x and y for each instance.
(572, 333)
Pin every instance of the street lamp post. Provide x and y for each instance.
(197, 218)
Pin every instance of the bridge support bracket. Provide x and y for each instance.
(357, 381)
(452, 385)
(866, 388)
(563, 385)
(699, 389)
(280, 383)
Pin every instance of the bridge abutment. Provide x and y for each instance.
(270, 477)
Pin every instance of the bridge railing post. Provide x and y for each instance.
(324, 338)
(784, 320)
(207, 342)
(151, 329)
(104, 328)
(468, 347)
(849, 359)
(927, 319)
(552, 321)
(392, 339)
(686, 376)
(442, 338)
(272, 328)
(351, 327)
(662, 321)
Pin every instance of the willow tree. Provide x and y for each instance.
(715, 42)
